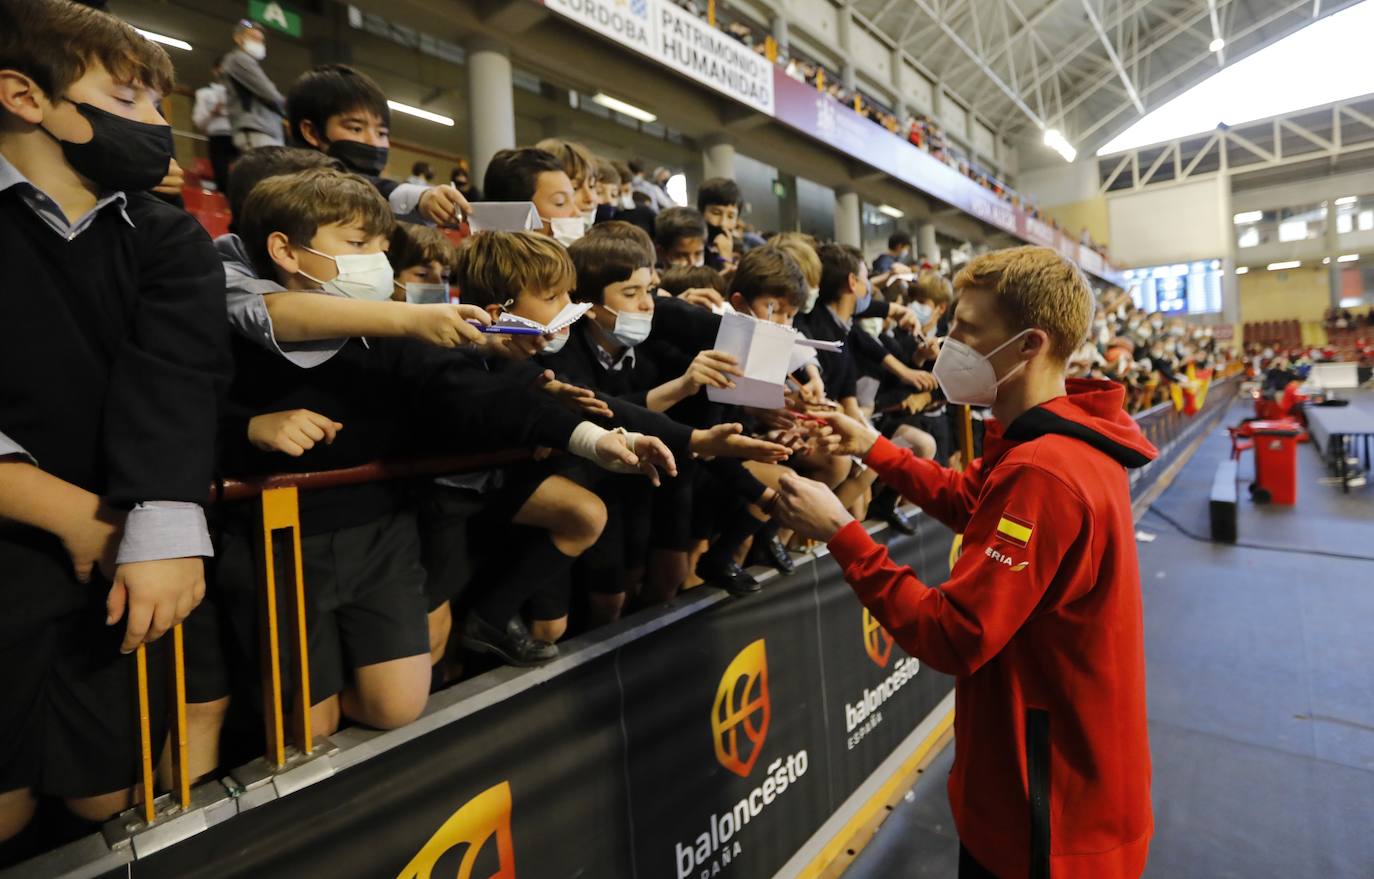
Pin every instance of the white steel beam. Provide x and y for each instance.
(1111, 54)
(958, 41)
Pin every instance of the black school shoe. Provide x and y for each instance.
(514, 645)
(727, 574)
(885, 507)
(768, 550)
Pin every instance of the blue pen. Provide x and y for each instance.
(507, 330)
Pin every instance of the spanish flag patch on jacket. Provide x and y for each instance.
(1015, 531)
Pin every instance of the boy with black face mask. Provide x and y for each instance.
(343, 113)
(114, 355)
(719, 202)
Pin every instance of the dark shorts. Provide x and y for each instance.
(446, 549)
(365, 598)
(68, 698)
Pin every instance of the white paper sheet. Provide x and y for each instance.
(820, 344)
(503, 216)
(764, 351)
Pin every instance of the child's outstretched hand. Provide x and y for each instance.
(445, 325)
(575, 397)
(729, 441)
(293, 432)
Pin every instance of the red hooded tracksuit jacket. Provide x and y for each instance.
(1040, 623)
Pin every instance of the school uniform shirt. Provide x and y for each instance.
(838, 368)
(1040, 623)
(114, 355)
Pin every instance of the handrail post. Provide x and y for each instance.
(145, 735)
(281, 516)
(181, 775)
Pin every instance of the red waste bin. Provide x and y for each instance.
(1276, 461)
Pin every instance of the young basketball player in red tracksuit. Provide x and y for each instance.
(1040, 619)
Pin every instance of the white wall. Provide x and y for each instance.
(870, 54)
(820, 16)
(920, 92)
(1171, 223)
(1062, 183)
(984, 141)
(953, 117)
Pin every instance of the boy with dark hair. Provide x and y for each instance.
(533, 175)
(422, 258)
(106, 452)
(343, 113)
(719, 201)
(898, 253)
(680, 236)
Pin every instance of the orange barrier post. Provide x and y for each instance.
(145, 736)
(281, 516)
(181, 776)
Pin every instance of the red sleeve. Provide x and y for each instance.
(946, 494)
(1007, 567)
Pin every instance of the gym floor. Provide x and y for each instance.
(1261, 691)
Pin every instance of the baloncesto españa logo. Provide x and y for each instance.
(864, 716)
(740, 716)
(484, 816)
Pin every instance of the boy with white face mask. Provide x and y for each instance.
(1040, 620)
(534, 175)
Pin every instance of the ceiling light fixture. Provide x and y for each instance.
(1245, 217)
(620, 106)
(165, 40)
(1242, 270)
(1287, 264)
(1349, 257)
(422, 114)
(1056, 141)
(892, 212)
(1216, 45)
(1347, 199)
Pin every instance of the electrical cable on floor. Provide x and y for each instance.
(1286, 549)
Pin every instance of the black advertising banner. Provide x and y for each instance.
(529, 788)
(876, 694)
(714, 747)
(725, 721)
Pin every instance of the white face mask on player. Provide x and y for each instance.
(967, 377)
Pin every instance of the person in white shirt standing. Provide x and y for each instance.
(211, 117)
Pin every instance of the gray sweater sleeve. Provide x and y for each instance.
(248, 73)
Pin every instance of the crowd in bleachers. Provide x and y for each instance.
(1148, 352)
(917, 128)
(336, 322)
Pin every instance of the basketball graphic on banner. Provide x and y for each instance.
(739, 717)
(484, 816)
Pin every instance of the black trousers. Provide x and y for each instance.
(969, 868)
(222, 154)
